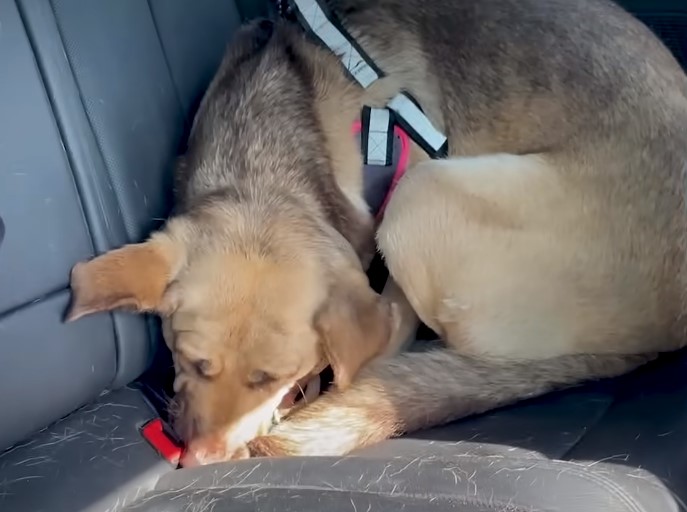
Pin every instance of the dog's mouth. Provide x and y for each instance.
(215, 449)
(306, 390)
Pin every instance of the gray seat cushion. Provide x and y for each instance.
(95, 99)
(421, 478)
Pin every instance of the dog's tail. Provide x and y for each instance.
(423, 389)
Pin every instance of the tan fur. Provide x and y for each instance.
(259, 274)
(551, 252)
(134, 277)
(244, 326)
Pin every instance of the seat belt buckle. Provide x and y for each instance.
(163, 440)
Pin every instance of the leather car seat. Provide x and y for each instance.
(96, 98)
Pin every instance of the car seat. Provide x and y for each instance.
(96, 98)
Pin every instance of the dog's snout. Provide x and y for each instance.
(185, 424)
(189, 459)
(210, 450)
(186, 428)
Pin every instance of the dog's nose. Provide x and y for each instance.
(203, 451)
(189, 460)
(200, 454)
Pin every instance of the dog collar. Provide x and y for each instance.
(383, 131)
(318, 20)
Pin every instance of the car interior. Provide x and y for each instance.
(96, 99)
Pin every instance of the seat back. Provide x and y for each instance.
(95, 100)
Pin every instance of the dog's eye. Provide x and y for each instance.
(204, 367)
(258, 378)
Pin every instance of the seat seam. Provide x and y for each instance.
(576, 469)
(492, 504)
(60, 32)
(581, 471)
(64, 140)
(27, 304)
(165, 58)
(55, 115)
(83, 106)
(584, 433)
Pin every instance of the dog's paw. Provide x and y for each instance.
(271, 446)
(264, 446)
(240, 453)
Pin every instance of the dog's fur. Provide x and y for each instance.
(258, 276)
(551, 252)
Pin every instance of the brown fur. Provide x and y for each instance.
(259, 275)
(552, 252)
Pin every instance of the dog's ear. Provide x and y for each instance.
(133, 277)
(354, 325)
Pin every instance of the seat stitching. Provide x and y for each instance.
(165, 58)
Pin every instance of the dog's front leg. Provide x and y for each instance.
(418, 390)
(409, 322)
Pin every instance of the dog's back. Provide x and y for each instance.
(257, 134)
(603, 105)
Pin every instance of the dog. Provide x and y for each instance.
(547, 250)
(259, 273)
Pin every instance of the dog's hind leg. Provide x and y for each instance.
(509, 256)
(463, 240)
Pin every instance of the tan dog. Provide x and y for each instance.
(258, 276)
(555, 258)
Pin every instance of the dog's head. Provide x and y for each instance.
(247, 314)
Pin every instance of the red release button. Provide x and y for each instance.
(154, 432)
